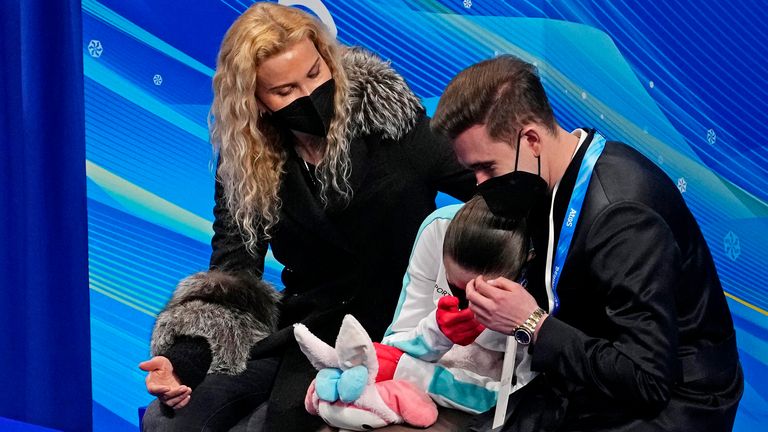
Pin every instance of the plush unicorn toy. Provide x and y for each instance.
(345, 392)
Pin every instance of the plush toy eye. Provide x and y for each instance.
(367, 427)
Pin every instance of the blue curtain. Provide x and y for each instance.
(44, 315)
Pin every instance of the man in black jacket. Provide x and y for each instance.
(632, 331)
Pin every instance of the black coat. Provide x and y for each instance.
(343, 260)
(351, 258)
(643, 339)
(338, 259)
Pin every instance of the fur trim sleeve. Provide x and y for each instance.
(379, 98)
(231, 311)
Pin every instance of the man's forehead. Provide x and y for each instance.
(474, 132)
(474, 148)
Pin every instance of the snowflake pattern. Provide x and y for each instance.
(682, 184)
(711, 137)
(95, 49)
(467, 4)
(157, 79)
(732, 245)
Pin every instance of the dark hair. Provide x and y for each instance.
(503, 93)
(483, 243)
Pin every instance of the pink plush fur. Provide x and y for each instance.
(311, 399)
(392, 401)
(413, 405)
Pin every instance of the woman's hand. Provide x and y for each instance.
(457, 325)
(388, 357)
(164, 384)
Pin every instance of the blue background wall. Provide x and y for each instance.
(684, 82)
(44, 299)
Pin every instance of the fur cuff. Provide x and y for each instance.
(379, 98)
(232, 312)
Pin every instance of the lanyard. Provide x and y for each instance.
(574, 211)
(507, 372)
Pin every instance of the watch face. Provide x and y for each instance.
(522, 336)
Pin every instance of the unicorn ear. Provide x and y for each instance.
(319, 353)
(354, 347)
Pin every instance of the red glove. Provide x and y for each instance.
(457, 325)
(388, 357)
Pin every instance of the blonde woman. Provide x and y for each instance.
(325, 155)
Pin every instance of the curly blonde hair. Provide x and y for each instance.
(251, 154)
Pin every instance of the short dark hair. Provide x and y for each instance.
(502, 93)
(481, 242)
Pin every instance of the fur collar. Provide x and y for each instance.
(380, 101)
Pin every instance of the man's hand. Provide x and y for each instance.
(457, 325)
(500, 304)
(164, 384)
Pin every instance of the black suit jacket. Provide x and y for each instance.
(643, 339)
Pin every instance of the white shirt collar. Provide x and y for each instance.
(582, 134)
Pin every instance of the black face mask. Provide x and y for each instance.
(309, 114)
(515, 195)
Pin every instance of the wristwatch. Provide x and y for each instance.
(524, 332)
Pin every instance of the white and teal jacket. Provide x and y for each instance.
(465, 378)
